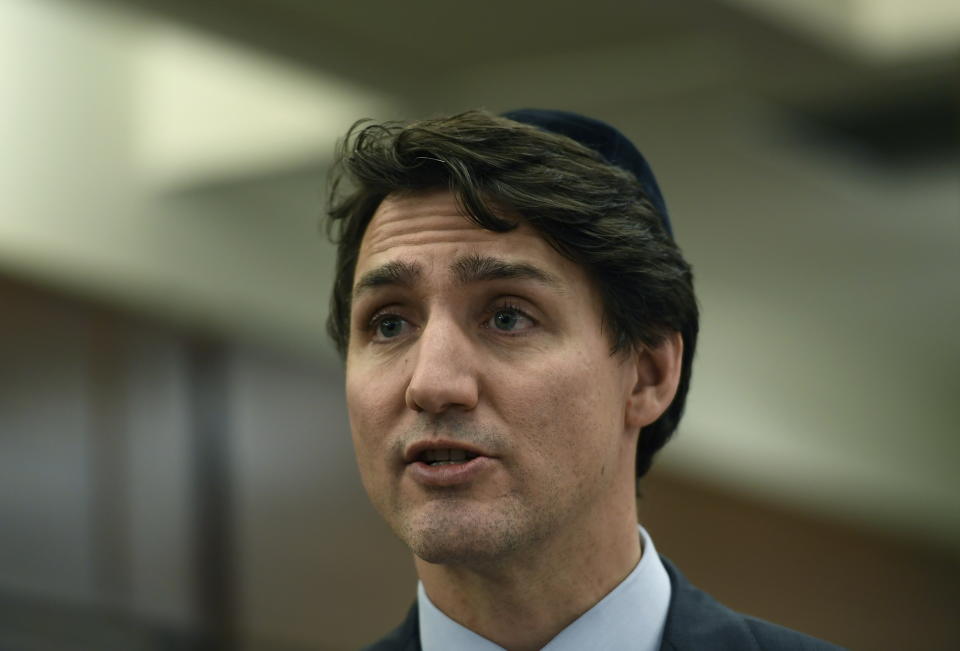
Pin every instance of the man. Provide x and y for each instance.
(518, 327)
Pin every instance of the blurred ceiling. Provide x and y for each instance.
(883, 30)
(808, 151)
(414, 48)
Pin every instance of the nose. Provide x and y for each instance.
(444, 373)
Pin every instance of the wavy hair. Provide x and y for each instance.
(591, 212)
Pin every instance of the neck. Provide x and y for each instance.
(525, 601)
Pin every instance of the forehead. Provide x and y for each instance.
(429, 226)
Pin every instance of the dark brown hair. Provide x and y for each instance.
(590, 211)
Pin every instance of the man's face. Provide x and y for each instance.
(487, 412)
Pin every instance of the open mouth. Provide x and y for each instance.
(438, 464)
(445, 457)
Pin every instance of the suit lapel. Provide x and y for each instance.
(405, 637)
(697, 621)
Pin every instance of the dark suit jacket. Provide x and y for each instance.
(695, 622)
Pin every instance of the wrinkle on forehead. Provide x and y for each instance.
(433, 218)
(415, 230)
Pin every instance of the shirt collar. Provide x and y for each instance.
(632, 615)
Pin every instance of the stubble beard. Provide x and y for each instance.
(453, 531)
(455, 526)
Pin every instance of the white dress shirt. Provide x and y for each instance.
(631, 616)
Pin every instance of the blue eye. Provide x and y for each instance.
(510, 319)
(505, 320)
(388, 326)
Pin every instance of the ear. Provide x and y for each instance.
(657, 378)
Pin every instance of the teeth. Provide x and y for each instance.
(435, 457)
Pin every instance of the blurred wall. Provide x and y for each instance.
(94, 459)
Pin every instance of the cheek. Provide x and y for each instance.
(368, 419)
(569, 414)
(369, 443)
(371, 390)
(583, 401)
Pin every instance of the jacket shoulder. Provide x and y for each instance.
(698, 621)
(772, 636)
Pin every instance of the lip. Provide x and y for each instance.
(454, 474)
(447, 475)
(414, 450)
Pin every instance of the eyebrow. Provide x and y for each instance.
(395, 273)
(479, 268)
(467, 270)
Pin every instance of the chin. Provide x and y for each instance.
(463, 536)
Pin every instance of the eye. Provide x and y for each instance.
(388, 326)
(510, 319)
